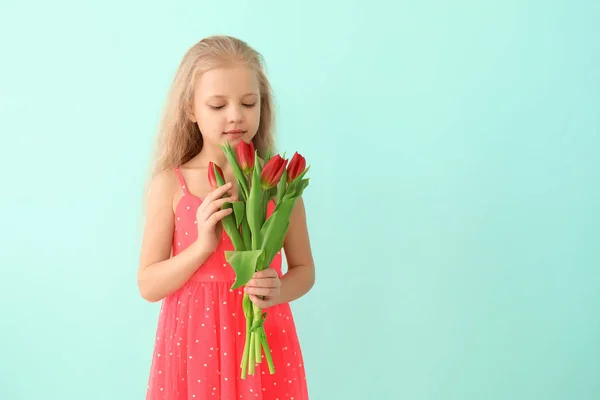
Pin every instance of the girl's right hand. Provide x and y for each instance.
(209, 216)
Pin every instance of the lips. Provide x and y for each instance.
(235, 132)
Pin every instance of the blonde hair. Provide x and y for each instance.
(179, 139)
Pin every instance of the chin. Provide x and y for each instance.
(235, 139)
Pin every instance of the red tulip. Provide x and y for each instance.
(212, 179)
(272, 171)
(245, 156)
(297, 165)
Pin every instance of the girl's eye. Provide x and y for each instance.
(250, 105)
(216, 107)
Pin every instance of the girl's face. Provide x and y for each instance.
(227, 105)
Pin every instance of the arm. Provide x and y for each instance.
(159, 274)
(300, 277)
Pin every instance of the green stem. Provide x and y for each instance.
(265, 344)
(251, 361)
(233, 232)
(257, 348)
(245, 356)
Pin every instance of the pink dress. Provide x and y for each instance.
(201, 332)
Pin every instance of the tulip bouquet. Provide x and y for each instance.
(256, 237)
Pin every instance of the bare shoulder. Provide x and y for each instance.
(297, 242)
(159, 224)
(162, 190)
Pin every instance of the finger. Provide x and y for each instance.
(218, 192)
(264, 283)
(259, 291)
(265, 273)
(259, 302)
(219, 215)
(217, 204)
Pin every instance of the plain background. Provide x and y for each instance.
(453, 204)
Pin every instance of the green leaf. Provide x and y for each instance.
(253, 205)
(281, 188)
(243, 264)
(239, 209)
(296, 188)
(237, 171)
(275, 229)
(246, 234)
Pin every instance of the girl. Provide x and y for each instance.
(220, 93)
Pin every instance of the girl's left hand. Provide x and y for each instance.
(264, 283)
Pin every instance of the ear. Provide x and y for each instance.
(189, 113)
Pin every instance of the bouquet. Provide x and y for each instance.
(257, 238)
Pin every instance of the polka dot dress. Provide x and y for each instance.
(201, 332)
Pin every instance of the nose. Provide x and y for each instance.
(235, 114)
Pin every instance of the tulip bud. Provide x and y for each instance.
(296, 166)
(212, 179)
(245, 156)
(272, 171)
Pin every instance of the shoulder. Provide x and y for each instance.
(162, 181)
(162, 188)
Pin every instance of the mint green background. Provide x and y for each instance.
(453, 205)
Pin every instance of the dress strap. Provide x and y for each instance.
(181, 180)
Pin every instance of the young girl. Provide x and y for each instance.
(220, 93)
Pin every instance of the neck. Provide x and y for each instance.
(212, 154)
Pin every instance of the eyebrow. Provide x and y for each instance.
(222, 96)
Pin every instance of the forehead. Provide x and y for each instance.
(228, 82)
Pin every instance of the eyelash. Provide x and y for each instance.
(246, 105)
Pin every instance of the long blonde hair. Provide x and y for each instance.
(179, 139)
